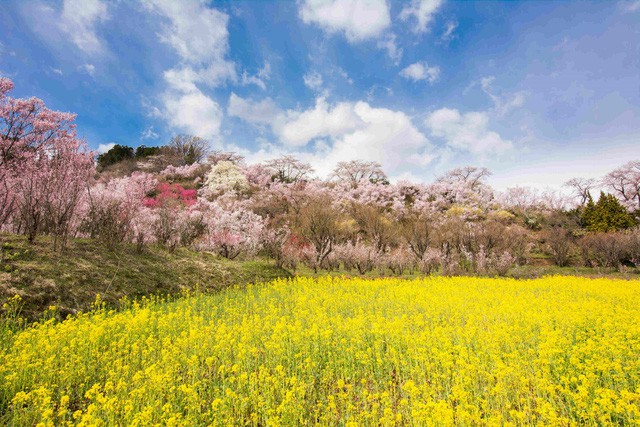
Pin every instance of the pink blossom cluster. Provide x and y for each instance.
(186, 172)
(44, 167)
(170, 194)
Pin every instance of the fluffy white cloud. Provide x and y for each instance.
(357, 19)
(199, 36)
(313, 80)
(193, 113)
(197, 33)
(421, 71)
(422, 11)
(467, 132)
(321, 121)
(79, 19)
(385, 136)
(103, 148)
(344, 131)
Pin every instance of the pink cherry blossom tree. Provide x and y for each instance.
(43, 166)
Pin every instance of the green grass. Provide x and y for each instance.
(71, 280)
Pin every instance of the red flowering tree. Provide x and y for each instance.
(171, 195)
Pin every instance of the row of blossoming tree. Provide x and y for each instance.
(355, 220)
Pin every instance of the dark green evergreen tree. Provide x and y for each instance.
(144, 151)
(606, 215)
(116, 154)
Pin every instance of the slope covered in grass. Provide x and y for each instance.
(337, 351)
(71, 280)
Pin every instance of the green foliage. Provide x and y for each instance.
(71, 281)
(123, 152)
(144, 151)
(116, 154)
(608, 214)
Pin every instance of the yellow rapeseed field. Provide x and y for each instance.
(338, 351)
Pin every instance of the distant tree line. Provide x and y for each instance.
(182, 150)
(183, 194)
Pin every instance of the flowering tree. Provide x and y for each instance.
(474, 177)
(194, 172)
(231, 230)
(357, 254)
(288, 169)
(218, 156)
(114, 210)
(171, 195)
(355, 172)
(43, 166)
(225, 177)
(296, 250)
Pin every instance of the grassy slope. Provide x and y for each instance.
(72, 280)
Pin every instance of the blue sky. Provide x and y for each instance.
(537, 91)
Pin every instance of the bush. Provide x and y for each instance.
(611, 249)
(558, 243)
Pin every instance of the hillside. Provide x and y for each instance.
(71, 280)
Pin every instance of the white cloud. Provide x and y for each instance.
(389, 44)
(313, 80)
(149, 133)
(88, 68)
(56, 71)
(79, 19)
(466, 132)
(357, 19)
(264, 112)
(321, 121)
(103, 148)
(422, 11)
(193, 113)
(264, 73)
(421, 71)
(448, 35)
(385, 136)
(197, 33)
(344, 131)
(199, 36)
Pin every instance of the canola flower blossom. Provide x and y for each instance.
(339, 352)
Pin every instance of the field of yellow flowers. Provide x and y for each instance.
(338, 351)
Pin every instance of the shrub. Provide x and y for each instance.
(558, 243)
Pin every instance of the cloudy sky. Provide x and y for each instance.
(538, 92)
